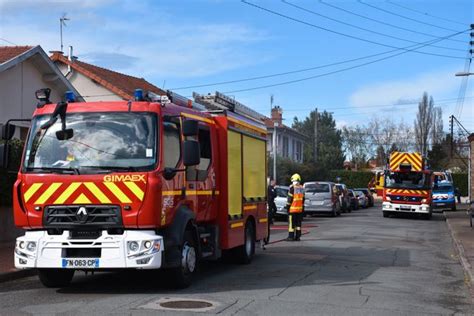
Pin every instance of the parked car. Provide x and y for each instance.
(354, 200)
(281, 200)
(443, 195)
(368, 194)
(321, 197)
(344, 198)
(363, 201)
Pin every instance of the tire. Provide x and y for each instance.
(385, 214)
(55, 277)
(428, 216)
(244, 254)
(183, 275)
(453, 209)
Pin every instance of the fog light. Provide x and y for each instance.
(133, 246)
(31, 246)
(143, 261)
(148, 244)
(22, 245)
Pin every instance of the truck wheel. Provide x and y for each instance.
(55, 277)
(428, 216)
(245, 253)
(453, 209)
(183, 275)
(385, 214)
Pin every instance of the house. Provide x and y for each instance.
(23, 70)
(289, 142)
(100, 84)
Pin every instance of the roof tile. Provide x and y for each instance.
(10, 52)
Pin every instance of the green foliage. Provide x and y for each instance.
(8, 177)
(461, 182)
(353, 179)
(330, 153)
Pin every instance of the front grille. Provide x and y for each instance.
(93, 216)
(406, 199)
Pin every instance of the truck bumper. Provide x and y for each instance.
(133, 249)
(406, 208)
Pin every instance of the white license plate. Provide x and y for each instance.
(441, 204)
(317, 202)
(403, 207)
(85, 263)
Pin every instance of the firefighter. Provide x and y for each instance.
(271, 195)
(295, 208)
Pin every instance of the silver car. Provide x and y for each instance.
(281, 200)
(321, 197)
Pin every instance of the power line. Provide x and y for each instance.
(7, 41)
(344, 34)
(384, 23)
(424, 13)
(405, 17)
(362, 28)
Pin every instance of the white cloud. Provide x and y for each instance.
(149, 42)
(438, 84)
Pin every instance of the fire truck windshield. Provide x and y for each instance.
(107, 141)
(407, 180)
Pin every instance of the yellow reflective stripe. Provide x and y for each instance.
(135, 189)
(250, 207)
(31, 190)
(97, 192)
(198, 118)
(47, 194)
(235, 225)
(82, 199)
(290, 224)
(263, 220)
(167, 193)
(67, 193)
(117, 192)
(255, 128)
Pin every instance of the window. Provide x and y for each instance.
(199, 172)
(171, 145)
(285, 146)
(299, 156)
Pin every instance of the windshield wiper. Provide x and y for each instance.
(54, 170)
(111, 168)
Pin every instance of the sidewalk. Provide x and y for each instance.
(463, 236)
(7, 268)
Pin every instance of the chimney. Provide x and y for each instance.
(71, 56)
(277, 115)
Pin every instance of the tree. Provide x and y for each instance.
(356, 142)
(330, 153)
(437, 133)
(424, 123)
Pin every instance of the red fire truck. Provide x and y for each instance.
(157, 182)
(407, 185)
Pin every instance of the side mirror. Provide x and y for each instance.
(65, 134)
(190, 128)
(192, 153)
(7, 131)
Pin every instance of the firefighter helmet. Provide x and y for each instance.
(295, 177)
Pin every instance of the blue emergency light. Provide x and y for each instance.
(138, 94)
(69, 96)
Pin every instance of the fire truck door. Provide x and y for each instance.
(201, 179)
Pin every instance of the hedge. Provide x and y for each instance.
(461, 182)
(353, 179)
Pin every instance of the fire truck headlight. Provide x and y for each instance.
(133, 246)
(22, 245)
(31, 246)
(424, 201)
(388, 198)
(147, 244)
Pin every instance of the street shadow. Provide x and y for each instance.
(273, 268)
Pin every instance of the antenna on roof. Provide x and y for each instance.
(62, 21)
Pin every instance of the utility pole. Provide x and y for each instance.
(452, 136)
(274, 146)
(316, 135)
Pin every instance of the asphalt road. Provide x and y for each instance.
(356, 264)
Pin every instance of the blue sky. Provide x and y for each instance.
(185, 43)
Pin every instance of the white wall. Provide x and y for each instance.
(17, 91)
(90, 90)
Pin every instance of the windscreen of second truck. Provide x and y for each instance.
(100, 140)
(407, 180)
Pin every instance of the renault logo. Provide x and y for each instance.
(82, 214)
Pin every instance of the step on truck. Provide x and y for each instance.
(153, 183)
(407, 185)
